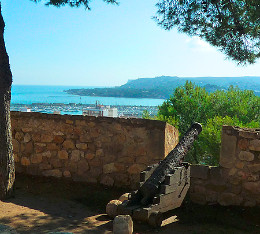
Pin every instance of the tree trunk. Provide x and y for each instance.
(7, 169)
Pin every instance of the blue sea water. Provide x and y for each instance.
(28, 94)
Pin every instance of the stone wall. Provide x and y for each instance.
(236, 181)
(110, 151)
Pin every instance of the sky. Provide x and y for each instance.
(106, 46)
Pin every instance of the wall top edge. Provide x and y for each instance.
(127, 121)
(242, 132)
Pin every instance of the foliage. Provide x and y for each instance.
(72, 3)
(191, 103)
(146, 115)
(231, 25)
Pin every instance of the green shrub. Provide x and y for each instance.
(191, 103)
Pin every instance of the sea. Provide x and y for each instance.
(33, 94)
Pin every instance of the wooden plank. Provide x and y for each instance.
(170, 202)
(126, 210)
(142, 214)
(144, 175)
(166, 189)
(164, 199)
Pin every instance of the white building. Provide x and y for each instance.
(25, 109)
(101, 111)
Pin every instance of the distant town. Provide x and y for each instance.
(121, 111)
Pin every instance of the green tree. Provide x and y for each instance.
(7, 169)
(191, 103)
(230, 25)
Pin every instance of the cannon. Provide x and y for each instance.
(163, 186)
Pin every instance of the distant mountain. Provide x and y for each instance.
(163, 86)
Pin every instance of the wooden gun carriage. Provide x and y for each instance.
(162, 186)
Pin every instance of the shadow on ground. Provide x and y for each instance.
(43, 205)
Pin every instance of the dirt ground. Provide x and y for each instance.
(43, 205)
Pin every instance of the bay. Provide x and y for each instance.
(29, 94)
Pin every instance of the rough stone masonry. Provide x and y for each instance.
(110, 151)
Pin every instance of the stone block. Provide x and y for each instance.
(215, 174)
(81, 123)
(95, 162)
(39, 147)
(46, 138)
(53, 146)
(126, 160)
(83, 167)
(85, 138)
(229, 199)
(25, 161)
(232, 171)
(199, 171)
(246, 156)
(107, 181)
(236, 189)
(211, 197)
(235, 180)
(109, 168)
(122, 179)
(67, 174)
(19, 136)
(73, 166)
(54, 173)
(253, 178)
(28, 147)
(254, 145)
(112, 208)
(252, 187)
(82, 146)
(91, 124)
(123, 224)
(143, 160)
(120, 167)
(36, 137)
(136, 168)
(247, 134)
(27, 138)
(240, 165)
(58, 133)
(99, 153)
(63, 154)
(56, 163)
(243, 144)
(44, 166)
(58, 139)
(25, 130)
(89, 156)
(68, 144)
(36, 159)
(75, 155)
(228, 150)
(68, 121)
(254, 168)
(46, 154)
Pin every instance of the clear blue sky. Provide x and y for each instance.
(103, 47)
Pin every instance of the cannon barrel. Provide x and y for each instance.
(152, 185)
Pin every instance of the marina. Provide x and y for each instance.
(123, 111)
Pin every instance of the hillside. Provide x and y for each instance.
(162, 87)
